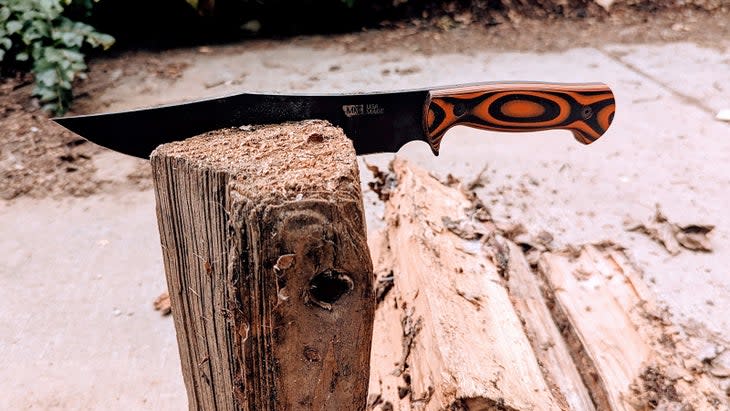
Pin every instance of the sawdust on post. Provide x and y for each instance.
(280, 176)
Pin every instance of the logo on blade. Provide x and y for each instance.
(362, 110)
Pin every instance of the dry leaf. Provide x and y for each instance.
(695, 237)
(479, 181)
(383, 182)
(162, 304)
(672, 236)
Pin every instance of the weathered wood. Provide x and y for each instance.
(547, 342)
(626, 348)
(386, 380)
(461, 344)
(269, 273)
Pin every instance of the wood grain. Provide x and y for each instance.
(268, 268)
(585, 109)
(547, 342)
(448, 321)
(629, 353)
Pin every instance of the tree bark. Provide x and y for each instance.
(268, 268)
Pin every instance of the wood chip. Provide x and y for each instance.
(462, 228)
(720, 365)
(162, 304)
(383, 287)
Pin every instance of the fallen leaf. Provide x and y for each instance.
(383, 182)
(695, 237)
(673, 236)
(451, 181)
(162, 304)
(479, 180)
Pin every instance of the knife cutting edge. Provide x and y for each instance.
(376, 122)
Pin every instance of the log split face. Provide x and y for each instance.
(460, 341)
(561, 330)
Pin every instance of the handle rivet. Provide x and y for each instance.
(587, 113)
(459, 109)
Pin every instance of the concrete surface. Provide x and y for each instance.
(77, 329)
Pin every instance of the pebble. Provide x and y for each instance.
(723, 115)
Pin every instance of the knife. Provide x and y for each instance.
(376, 122)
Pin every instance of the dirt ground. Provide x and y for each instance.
(84, 216)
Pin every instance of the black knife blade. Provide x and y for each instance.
(376, 122)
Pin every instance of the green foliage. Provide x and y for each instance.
(37, 32)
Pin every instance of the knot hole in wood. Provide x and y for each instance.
(308, 234)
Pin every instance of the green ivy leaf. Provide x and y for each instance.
(41, 28)
(51, 55)
(70, 55)
(48, 77)
(44, 94)
(39, 31)
(4, 14)
(71, 39)
(33, 15)
(51, 8)
(13, 26)
(100, 39)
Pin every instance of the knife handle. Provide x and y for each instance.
(585, 109)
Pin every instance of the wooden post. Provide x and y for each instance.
(268, 269)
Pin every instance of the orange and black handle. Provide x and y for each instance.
(585, 109)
